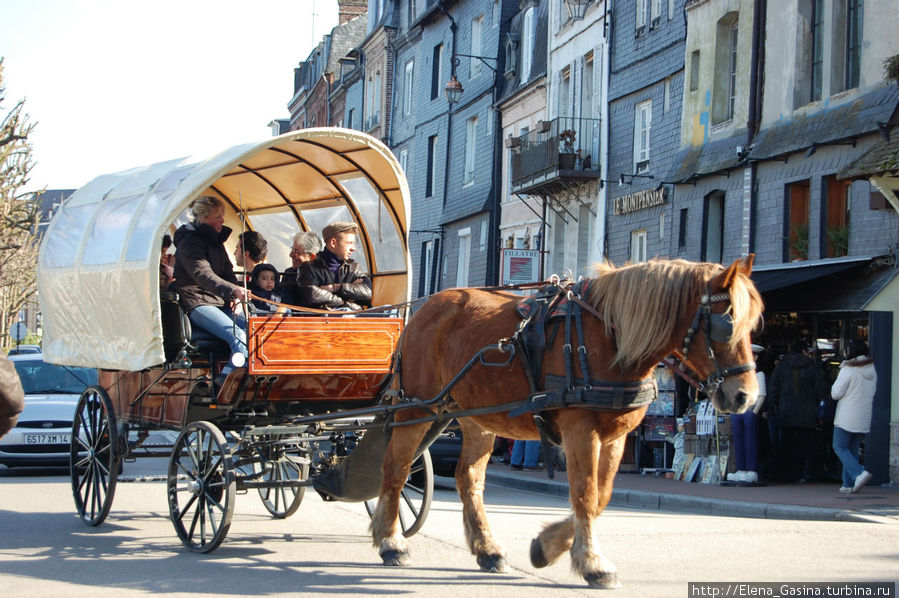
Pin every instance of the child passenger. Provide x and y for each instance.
(264, 283)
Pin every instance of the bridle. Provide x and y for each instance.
(718, 328)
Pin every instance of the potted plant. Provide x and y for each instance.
(567, 154)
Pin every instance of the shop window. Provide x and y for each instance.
(796, 221)
(835, 223)
(713, 227)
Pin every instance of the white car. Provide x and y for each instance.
(43, 433)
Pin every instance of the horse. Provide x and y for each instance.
(634, 317)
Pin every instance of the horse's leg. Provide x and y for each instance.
(471, 469)
(386, 532)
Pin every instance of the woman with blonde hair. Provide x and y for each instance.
(205, 280)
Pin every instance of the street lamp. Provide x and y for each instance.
(453, 90)
(577, 8)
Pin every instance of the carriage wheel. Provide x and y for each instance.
(285, 466)
(201, 487)
(416, 496)
(93, 455)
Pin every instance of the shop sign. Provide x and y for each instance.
(640, 200)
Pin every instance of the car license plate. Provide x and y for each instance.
(48, 438)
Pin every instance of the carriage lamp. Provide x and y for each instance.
(453, 90)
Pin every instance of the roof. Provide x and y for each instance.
(98, 269)
(715, 156)
(882, 158)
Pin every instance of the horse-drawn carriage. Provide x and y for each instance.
(103, 308)
(573, 365)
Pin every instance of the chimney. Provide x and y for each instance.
(350, 9)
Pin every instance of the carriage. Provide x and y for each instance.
(276, 423)
(573, 365)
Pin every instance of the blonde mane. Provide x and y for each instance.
(644, 302)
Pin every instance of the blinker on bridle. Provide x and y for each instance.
(719, 328)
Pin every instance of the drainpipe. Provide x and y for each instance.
(602, 236)
(449, 132)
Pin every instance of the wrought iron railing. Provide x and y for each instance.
(555, 148)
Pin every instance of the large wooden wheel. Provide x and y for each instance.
(201, 487)
(285, 463)
(94, 456)
(416, 496)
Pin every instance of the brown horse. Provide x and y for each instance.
(648, 311)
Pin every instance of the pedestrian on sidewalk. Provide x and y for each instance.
(525, 454)
(797, 385)
(744, 429)
(853, 391)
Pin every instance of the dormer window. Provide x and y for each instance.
(511, 45)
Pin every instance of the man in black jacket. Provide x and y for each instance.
(332, 280)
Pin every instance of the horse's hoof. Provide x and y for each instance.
(396, 558)
(604, 580)
(538, 559)
(492, 563)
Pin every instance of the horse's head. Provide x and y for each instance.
(717, 344)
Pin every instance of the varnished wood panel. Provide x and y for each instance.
(322, 345)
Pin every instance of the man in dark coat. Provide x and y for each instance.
(797, 385)
(332, 280)
(12, 398)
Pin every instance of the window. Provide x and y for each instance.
(682, 230)
(413, 9)
(565, 93)
(584, 217)
(404, 159)
(670, 9)
(476, 30)
(854, 22)
(713, 228)
(350, 118)
(407, 88)
(796, 220)
(694, 70)
(483, 243)
(425, 285)
(655, 13)
(585, 125)
(436, 69)
(527, 43)
(642, 126)
(464, 257)
(725, 69)
(666, 104)
(638, 246)
(817, 47)
(432, 165)
(835, 233)
(496, 12)
(641, 17)
(471, 130)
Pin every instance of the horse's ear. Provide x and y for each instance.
(741, 266)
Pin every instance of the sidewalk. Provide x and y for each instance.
(817, 501)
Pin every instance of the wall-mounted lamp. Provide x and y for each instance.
(815, 145)
(577, 8)
(627, 179)
(603, 182)
(453, 89)
(884, 130)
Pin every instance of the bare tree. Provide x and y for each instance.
(19, 215)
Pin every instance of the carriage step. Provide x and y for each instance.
(148, 478)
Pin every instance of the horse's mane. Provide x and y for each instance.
(643, 302)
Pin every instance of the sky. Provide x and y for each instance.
(117, 84)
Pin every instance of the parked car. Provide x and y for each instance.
(43, 433)
(24, 349)
(445, 451)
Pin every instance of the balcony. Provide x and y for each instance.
(371, 122)
(556, 155)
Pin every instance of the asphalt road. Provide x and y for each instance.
(324, 549)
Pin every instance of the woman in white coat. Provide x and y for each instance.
(853, 391)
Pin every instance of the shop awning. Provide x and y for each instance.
(841, 284)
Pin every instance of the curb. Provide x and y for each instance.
(679, 502)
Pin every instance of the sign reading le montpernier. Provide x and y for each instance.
(639, 200)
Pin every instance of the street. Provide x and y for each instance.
(325, 549)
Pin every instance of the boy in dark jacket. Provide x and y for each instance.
(264, 284)
(332, 280)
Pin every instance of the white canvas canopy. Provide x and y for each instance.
(98, 272)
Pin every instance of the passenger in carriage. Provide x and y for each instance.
(205, 280)
(264, 284)
(306, 245)
(252, 248)
(332, 280)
